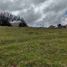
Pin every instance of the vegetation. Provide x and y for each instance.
(33, 47)
(7, 19)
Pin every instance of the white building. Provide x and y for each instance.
(15, 23)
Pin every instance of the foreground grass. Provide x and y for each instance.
(33, 47)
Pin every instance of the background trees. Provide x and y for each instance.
(6, 18)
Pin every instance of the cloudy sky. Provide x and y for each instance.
(37, 12)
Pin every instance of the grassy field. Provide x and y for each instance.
(33, 47)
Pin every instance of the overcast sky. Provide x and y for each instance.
(36, 12)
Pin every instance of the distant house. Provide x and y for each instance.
(18, 23)
(64, 26)
(52, 26)
(15, 23)
(61, 26)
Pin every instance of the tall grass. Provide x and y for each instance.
(33, 47)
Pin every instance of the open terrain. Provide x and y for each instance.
(33, 47)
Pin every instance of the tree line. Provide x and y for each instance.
(58, 26)
(6, 18)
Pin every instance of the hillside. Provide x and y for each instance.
(33, 47)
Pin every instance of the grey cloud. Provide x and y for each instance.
(37, 12)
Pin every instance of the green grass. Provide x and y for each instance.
(33, 47)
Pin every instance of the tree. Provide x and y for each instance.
(6, 18)
(59, 26)
(4, 21)
(22, 24)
